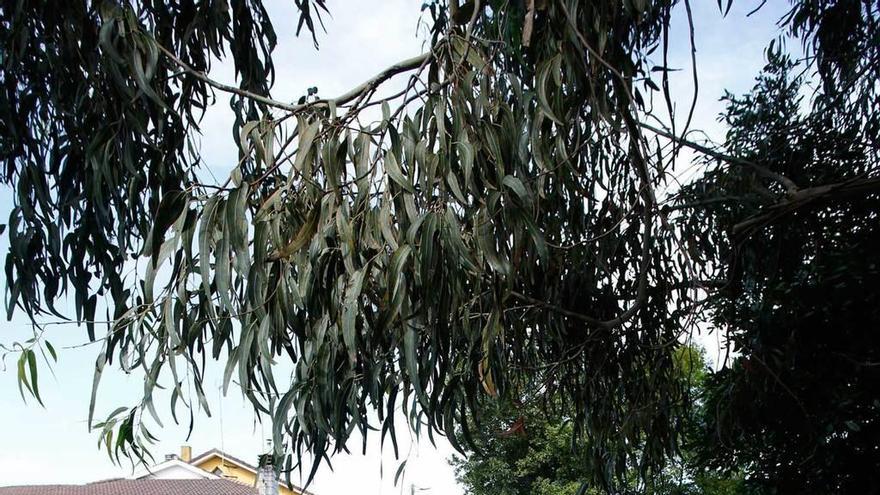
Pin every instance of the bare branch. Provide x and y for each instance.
(398, 68)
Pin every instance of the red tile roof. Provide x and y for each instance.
(137, 487)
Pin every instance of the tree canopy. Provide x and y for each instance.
(800, 402)
(522, 450)
(511, 223)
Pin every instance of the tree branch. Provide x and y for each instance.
(400, 67)
(558, 309)
(790, 187)
(828, 192)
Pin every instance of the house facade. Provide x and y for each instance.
(216, 464)
(228, 467)
(211, 473)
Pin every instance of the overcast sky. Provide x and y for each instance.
(52, 445)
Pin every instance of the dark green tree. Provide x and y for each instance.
(522, 448)
(798, 406)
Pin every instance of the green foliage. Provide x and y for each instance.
(520, 451)
(497, 232)
(798, 406)
(527, 449)
(505, 220)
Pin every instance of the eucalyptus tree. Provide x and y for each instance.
(499, 229)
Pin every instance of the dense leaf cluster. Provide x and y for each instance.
(505, 226)
(496, 231)
(521, 450)
(799, 302)
(799, 405)
(97, 127)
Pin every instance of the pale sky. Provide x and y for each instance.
(52, 445)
